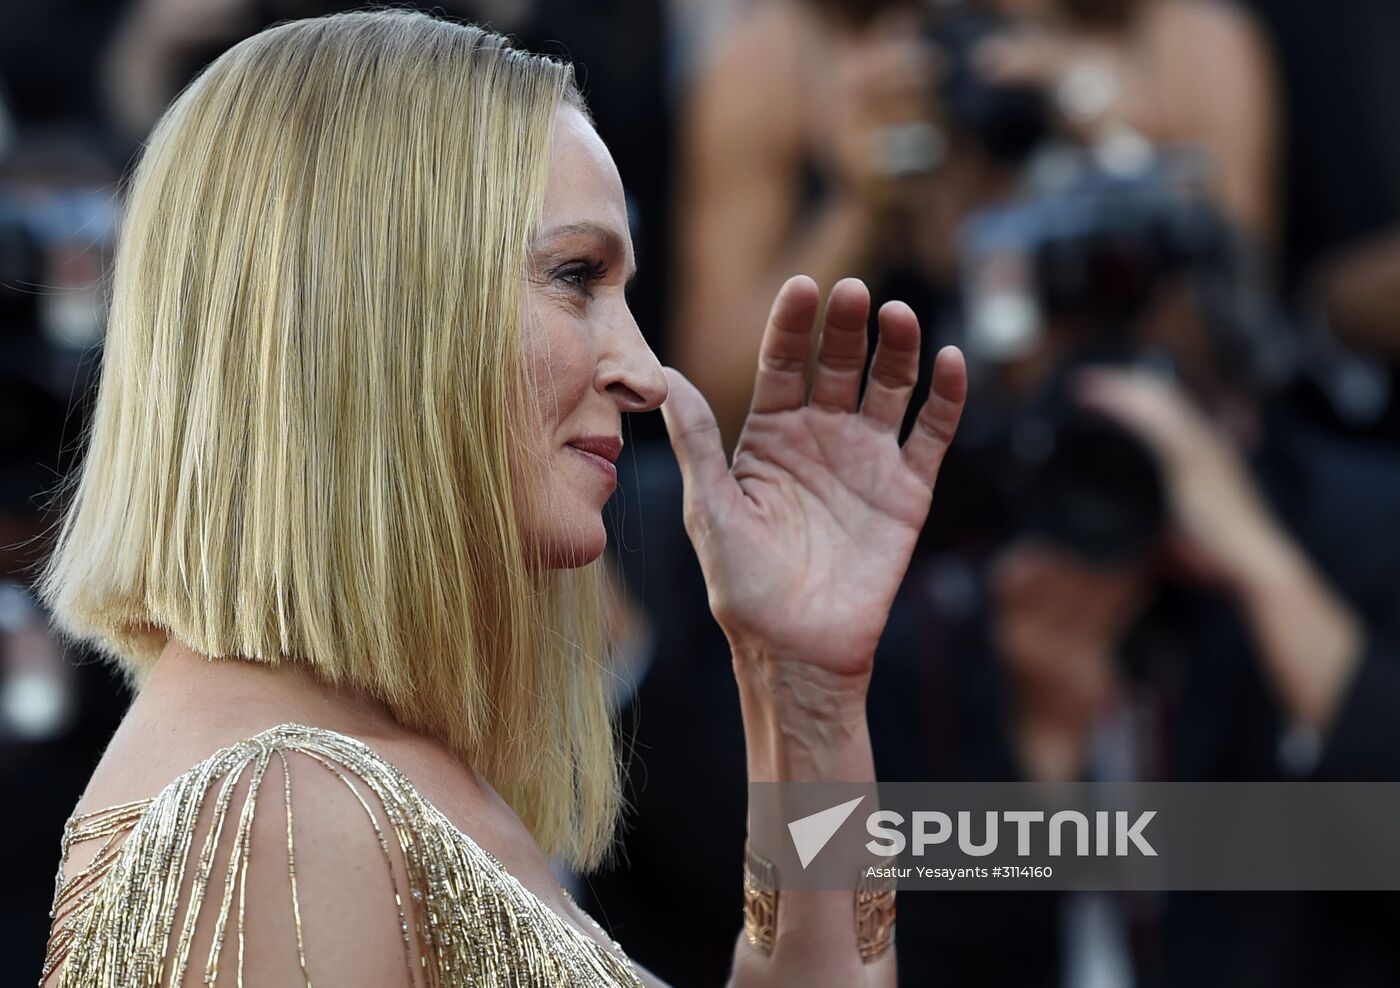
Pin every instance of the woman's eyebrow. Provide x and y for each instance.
(612, 241)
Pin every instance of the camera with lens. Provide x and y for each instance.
(1008, 122)
(1060, 279)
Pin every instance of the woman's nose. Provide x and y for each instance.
(631, 374)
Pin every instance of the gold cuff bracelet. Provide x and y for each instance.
(874, 907)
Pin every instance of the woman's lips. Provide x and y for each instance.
(600, 452)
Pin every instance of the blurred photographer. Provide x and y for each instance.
(1230, 649)
(1061, 619)
(1170, 574)
(856, 136)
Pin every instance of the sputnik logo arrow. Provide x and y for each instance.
(810, 833)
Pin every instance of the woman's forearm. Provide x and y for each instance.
(801, 728)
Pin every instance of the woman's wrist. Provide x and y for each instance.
(802, 723)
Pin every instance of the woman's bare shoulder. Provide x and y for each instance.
(311, 828)
(302, 849)
(281, 850)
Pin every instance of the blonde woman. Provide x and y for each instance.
(339, 517)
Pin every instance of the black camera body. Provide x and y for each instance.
(1055, 472)
(1007, 122)
(1070, 269)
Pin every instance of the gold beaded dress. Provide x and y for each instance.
(464, 919)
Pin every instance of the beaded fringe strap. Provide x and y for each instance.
(464, 919)
(72, 898)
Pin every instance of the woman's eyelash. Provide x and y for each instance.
(582, 274)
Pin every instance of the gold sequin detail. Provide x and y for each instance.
(464, 919)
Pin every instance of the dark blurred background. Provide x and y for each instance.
(1204, 193)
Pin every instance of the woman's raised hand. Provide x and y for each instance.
(806, 536)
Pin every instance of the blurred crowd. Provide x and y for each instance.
(1166, 546)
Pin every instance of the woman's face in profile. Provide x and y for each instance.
(583, 349)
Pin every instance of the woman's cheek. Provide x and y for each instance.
(572, 376)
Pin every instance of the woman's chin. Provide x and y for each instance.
(572, 549)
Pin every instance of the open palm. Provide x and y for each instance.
(805, 537)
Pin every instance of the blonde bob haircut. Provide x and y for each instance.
(308, 434)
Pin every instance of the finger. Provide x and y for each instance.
(1144, 404)
(938, 419)
(895, 368)
(781, 382)
(841, 355)
(695, 438)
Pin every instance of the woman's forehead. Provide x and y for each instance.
(584, 193)
(583, 186)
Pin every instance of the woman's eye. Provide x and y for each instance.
(581, 276)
